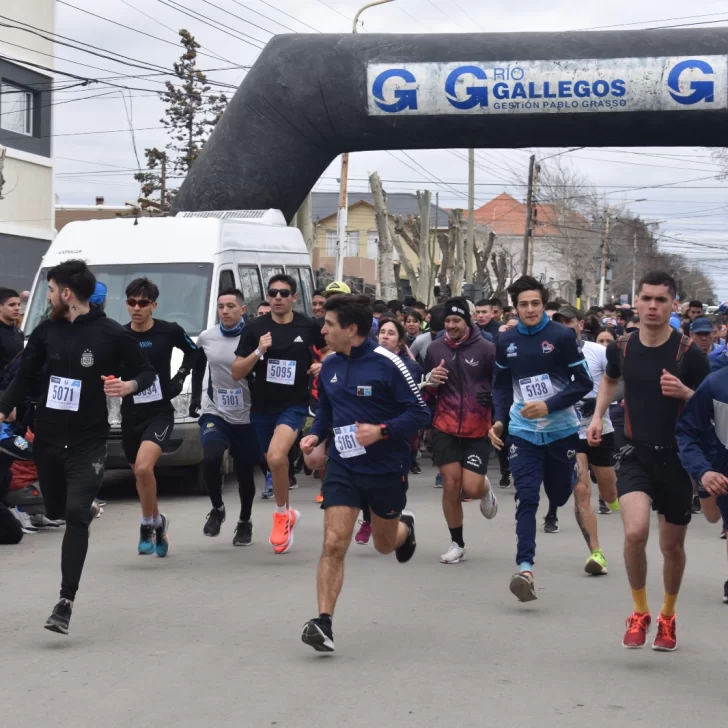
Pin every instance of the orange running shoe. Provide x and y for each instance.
(638, 624)
(666, 639)
(293, 517)
(320, 498)
(281, 529)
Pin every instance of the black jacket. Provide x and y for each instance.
(87, 349)
(11, 343)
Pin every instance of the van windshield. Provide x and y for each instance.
(184, 293)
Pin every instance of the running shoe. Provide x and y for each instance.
(438, 480)
(95, 511)
(596, 564)
(26, 525)
(320, 497)
(454, 555)
(146, 540)
(60, 617)
(551, 524)
(364, 533)
(160, 536)
(666, 637)
(292, 483)
(284, 525)
(489, 505)
(267, 493)
(102, 503)
(604, 509)
(41, 521)
(723, 535)
(523, 586)
(416, 469)
(725, 593)
(638, 625)
(243, 534)
(505, 480)
(406, 551)
(215, 519)
(318, 635)
(696, 508)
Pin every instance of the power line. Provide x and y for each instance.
(443, 13)
(644, 22)
(292, 17)
(277, 22)
(234, 15)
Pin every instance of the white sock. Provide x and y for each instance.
(147, 521)
(157, 521)
(282, 509)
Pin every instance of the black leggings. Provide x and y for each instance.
(214, 451)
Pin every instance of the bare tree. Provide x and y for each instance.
(387, 281)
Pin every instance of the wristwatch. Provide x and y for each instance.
(385, 432)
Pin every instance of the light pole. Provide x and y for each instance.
(343, 216)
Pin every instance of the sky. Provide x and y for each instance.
(691, 203)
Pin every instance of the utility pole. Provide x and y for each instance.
(605, 255)
(634, 269)
(534, 219)
(529, 214)
(470, 247)
(163, 183)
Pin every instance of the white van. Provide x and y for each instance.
(190, 257)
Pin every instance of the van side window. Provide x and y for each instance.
(251, 288)
(304, 280)
(227, 280)
(269, 271)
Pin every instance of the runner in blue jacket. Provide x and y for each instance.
(540, 375)
(372, 404)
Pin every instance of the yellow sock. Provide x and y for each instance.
(640, 600)
(614, 506)
(668, 608)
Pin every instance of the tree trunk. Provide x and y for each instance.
(442, 275)
(456, 283)
(304, 222)
(424, 293)
(388, 285)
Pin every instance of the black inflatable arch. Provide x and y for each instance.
(306, 100)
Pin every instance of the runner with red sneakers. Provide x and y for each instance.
(661, 369)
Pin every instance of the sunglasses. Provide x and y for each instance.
(140, 303)
(282, 292)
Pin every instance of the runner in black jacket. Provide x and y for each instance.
(69, 357)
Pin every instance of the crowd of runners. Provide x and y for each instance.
(622, 397)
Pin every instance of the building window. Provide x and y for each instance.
(331, 243)
(16, 109)
(352, 244)
(372, 245)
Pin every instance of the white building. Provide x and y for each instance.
(27, 215)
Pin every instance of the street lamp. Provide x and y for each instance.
(605, 247)
(343, 216)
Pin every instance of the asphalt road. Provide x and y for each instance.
(210, 636)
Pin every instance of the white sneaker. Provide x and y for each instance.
(454, 555)
(24, 519)
(40, 520)
(489, 505)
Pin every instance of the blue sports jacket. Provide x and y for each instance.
(371, 386)
(531, 352)
(702, 429)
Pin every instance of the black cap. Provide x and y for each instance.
(568, 312)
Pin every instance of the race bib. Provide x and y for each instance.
(536, 389)
(230, 400)
(64, 394)
(582, 431)
(281, 371)
(346, 443)
(150, 394)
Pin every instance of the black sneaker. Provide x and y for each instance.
(416, 469)
(243, 534)
(407, 549)
(215, 519)
(318, 635)
(725, 593)
(696, 507)
(723, 535)
(551, 524)
(505, 480)
(604, 509)
(60, 618)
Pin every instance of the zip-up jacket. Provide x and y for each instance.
(534, 360)
(84, 350)
(470, 367)
(371, 386)
(702, 429)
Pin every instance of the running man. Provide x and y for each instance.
(278, 349)
(702, 436)
(600, 458)
(225, 421)
(11, 337)
(540, 376)
(459, 369)
(661, 369)
(373, 405)
(147, 418)
(68, 359)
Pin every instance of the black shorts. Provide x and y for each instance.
(471, 452)
(602, 456)
(386, 495)
(157, 430)
(659, 474)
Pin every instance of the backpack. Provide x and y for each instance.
(623, 341)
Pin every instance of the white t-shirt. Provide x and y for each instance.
(596, 360)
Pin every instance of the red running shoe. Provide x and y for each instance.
(666, 639)
(638, 625)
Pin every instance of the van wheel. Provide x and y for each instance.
(200, 479)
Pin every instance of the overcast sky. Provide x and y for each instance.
(102, 164)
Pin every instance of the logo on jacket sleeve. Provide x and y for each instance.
(87, 358)
(511, 351)
(547, 348)
(472, 362)
(363, 391)
(334, 379)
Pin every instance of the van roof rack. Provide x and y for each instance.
(265, 217)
